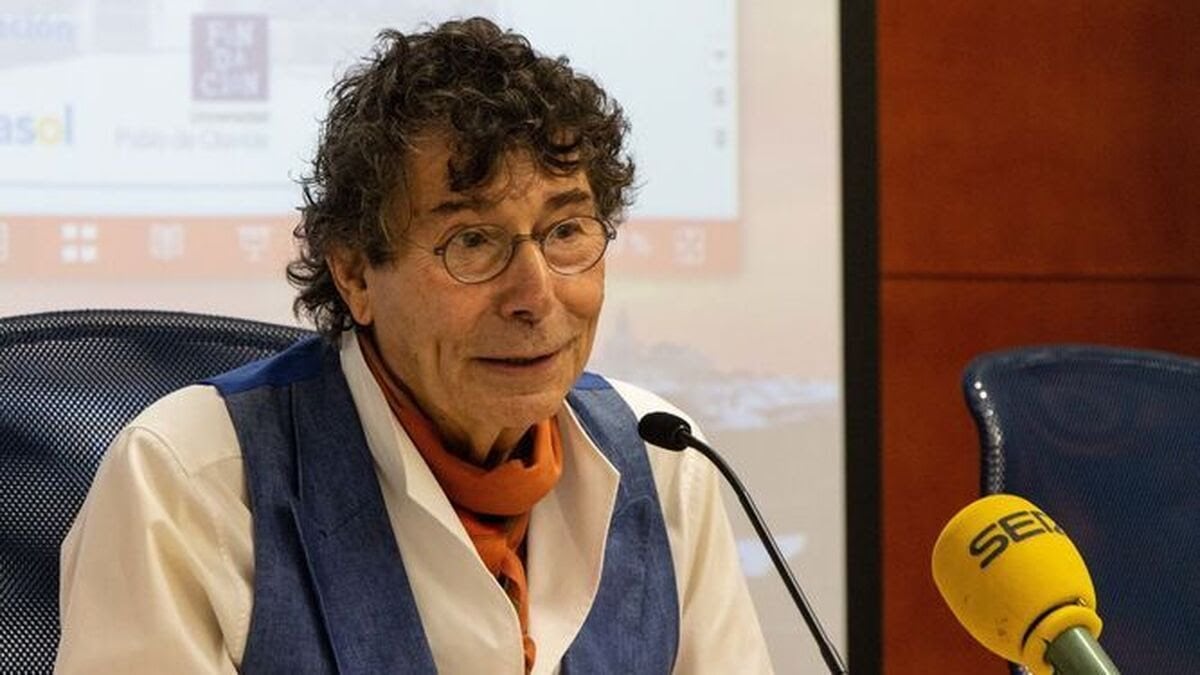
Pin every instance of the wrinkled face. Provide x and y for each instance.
(484, 361)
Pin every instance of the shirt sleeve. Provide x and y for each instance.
(719, 629)
(143, 569)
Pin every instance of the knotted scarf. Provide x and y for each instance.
(493, 503)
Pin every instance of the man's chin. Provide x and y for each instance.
(523, 410)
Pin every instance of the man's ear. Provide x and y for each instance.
(348, 269)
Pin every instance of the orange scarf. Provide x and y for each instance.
(493, 504)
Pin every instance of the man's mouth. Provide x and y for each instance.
(520, 360)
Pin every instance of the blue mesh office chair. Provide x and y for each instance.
(68, 382)
(1107, 441)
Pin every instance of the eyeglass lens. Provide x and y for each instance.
(572, 246)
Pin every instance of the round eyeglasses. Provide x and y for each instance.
(479, 253)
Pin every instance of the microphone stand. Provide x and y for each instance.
(832, 660)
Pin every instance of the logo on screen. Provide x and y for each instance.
(690, 245)
(79, 243)
(42, 128)
(166, 241)
(253, 241)
(35, 37)
(229, 57)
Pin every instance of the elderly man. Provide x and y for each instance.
(434, 484)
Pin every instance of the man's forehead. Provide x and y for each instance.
(516, 176)
(551, 199)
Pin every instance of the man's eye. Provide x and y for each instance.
(472, 239)
(568, 229)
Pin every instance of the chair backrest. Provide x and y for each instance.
(1107, 441)
(68, 382)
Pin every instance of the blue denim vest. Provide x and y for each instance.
(330, 591)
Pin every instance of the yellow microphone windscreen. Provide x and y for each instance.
(1013, 578)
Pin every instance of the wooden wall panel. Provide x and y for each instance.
(1039, 182)
(1039, 137)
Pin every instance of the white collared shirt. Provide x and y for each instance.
(158, 569)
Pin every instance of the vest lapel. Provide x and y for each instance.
(633, 624)
(358, 576)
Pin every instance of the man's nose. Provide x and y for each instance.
(528, 283)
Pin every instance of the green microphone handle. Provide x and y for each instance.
(1076, 652)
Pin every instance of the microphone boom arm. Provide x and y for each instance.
(832, 660)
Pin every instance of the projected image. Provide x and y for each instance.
(169, 135)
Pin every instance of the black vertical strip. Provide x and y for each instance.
(860, 289)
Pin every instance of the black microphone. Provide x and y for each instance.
(673, 433)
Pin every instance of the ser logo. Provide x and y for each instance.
(1014, 528)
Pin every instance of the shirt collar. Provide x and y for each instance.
(590, 478)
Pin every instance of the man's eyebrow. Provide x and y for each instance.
(453, 206)
(556, 201)
(567, 198)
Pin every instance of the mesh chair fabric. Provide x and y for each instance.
(68, 382)
(1107, 441)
